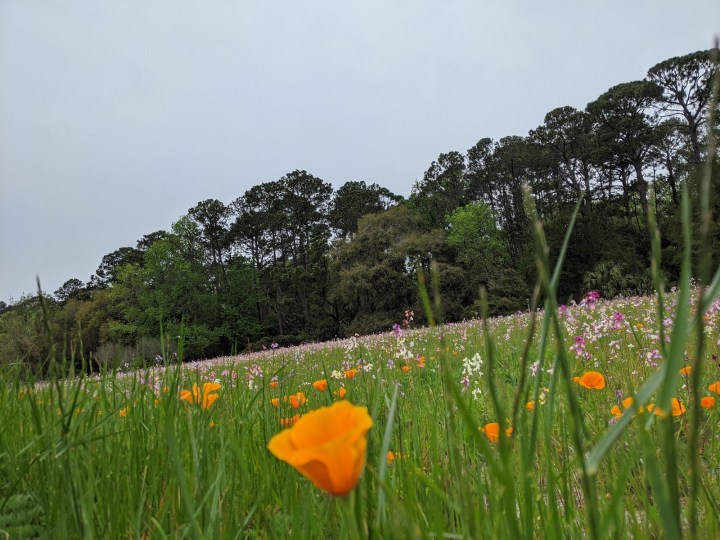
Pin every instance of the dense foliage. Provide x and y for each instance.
(294, 261)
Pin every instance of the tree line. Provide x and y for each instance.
(293, 260)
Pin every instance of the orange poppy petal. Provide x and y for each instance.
(338, 465)
(208, 400)
(677, 407)
(330, 423)
(282, 446)
(211, 387)
(317, 472)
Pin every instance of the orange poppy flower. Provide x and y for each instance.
(124, 412)
(273, 384)
(341, 392)
(205, 398)
(492, 431)
(390, 457)
(677, 408)
(405, 368)
(592, 380)
(297, 400)
(327, 446)
(530, 406)
(350, 373)
(707, 402)
(320, 385)
(686, 370)
(715, 387)
(275, 402)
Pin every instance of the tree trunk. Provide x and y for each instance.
(671, 180)
(642, 188)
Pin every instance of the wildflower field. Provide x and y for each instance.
(447, 436)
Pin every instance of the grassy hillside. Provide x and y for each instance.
(123, 456)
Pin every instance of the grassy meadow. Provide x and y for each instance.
(122, 456)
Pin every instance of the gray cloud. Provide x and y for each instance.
(116, 117)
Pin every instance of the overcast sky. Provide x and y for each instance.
(117, 116)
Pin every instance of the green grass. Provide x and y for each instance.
(71, 466)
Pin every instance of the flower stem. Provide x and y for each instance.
(350, 528)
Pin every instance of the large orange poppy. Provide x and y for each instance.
(327, 446)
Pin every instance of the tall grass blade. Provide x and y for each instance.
(704, 271)
(660, 489)
(384, 449)
(543, 265)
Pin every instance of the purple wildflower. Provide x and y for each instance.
(618, 318)
(579, 347)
